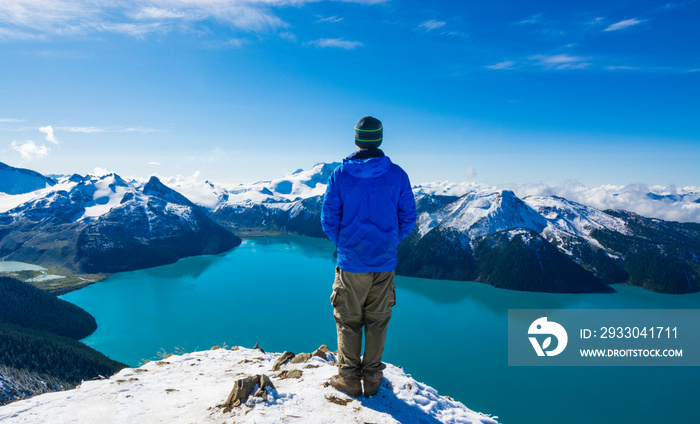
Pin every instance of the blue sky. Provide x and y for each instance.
(494, 92)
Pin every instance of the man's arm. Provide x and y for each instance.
(406, 210)
(332, 210)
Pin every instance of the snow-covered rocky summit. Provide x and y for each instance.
(301, 184)
(104, 224)
(193, 388)
(288, 204)
(19, 180)
(465, 231)
(471, 231)
(546, 243)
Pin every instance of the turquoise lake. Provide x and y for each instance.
(451, 335)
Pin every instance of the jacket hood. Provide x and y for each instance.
(367, 168)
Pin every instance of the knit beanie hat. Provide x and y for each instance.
(368, 132)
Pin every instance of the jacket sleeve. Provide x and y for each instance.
(406, 210)
(332, 210)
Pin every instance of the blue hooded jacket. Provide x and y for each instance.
(367, 210)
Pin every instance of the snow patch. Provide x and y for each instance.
(297, 186)
(10, 201)
(574, 219)
(107, 195)
(190, 388)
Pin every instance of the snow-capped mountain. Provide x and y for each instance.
(463, 232)
(288, 204)
(481, 213)
(469, 231)
(194, 388)
(102, 224)
(299, 185)
(18, 180)
(547, 243)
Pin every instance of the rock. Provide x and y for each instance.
(217, 347)
(244, 387)
(286, 356)
(322, 352)
(289, 374)
(301, 358)
(338, 401)
(258, 347)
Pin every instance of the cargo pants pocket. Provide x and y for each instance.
(338, 290)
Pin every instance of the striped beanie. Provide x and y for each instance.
(368, 132)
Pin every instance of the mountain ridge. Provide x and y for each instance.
(467, 222)
(460, 228)
(102, 224)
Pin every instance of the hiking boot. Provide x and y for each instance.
(372, 384)
(348, 384)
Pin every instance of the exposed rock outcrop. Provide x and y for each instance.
(258, 383)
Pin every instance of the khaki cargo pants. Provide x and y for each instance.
(362, 300)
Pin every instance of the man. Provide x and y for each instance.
(367, 210)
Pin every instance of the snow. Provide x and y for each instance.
(482, 213)
(204, 194)
(106, 196)
(18, 181)
(485, 212)
(10, 201)
(96, 196)
(45, 277)
(448, 188)
(566, 218)
(575, 217)
(182, 211)
(275, 193)
(189, 389)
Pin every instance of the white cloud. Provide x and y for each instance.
(598, 20)
(329, 19)
(151, 12)
(137, 30)
(230, 43)
(621, 68)
(506, 64)
(27, 19)
(10, 120)
(182, 180)
(48, 130)
(335, 42)
(668, 203)
(15, 34)
(86, 130)
(98, 172)
(431, 25)
(561, 61)
(30, 150)
(288, 36)
(471, 172)
(154, 163)
(623, 24)
(532, 19)
(41, 19)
